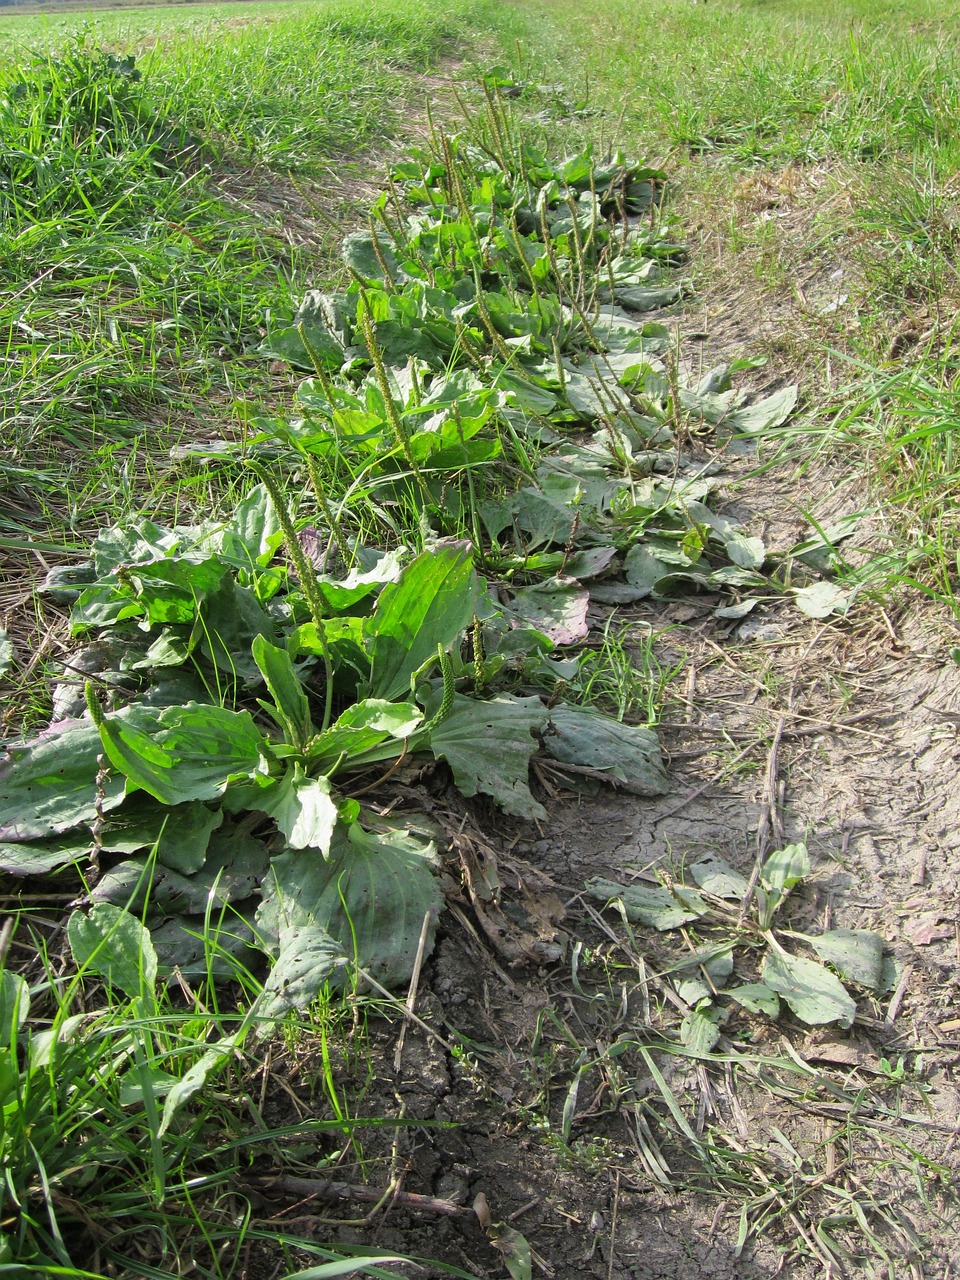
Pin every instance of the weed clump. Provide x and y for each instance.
(81, 131)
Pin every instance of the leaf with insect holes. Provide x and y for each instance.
(813, 993)
(715, 876)
(113, 944)
(700, 1029)
(489, 745)
(557, 607)
(756, 997)
(514, 1249)
(629, 754)
(856, 953)
(651, 905)
(307, 958)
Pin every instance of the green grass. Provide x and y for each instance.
(863, 97)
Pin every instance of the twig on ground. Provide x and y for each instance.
(413, 988)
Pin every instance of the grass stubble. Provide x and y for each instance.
(139, 260)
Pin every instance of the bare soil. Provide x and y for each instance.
(536, 984)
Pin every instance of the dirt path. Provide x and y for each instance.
(809, 1151)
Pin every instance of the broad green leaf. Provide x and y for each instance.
(6, 653)
(757, 997)
(304, 810)
(514, 1249)
(236, 865)
(229, 621)
(180, 832)
(650, 905)
(370, 894)
(306, 959)
(430, 606)
(488, 746)
(38, 858)
(360, 255)
(813, 993)
(14, 1006)
(48, 784)
(253, 533)
(785, 868)
(225, 946)
(183, 753)
(293, 709)
(361, 728)
(113, 944)
(629, 754)
(343, 593)
(857, 953)
(715, 876)
(700, 1029)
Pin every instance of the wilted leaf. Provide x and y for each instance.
(488, 745)
(765, 414)
(823, 598)
(650, 905)
(630, 754)
(557, 607)
(813, 993)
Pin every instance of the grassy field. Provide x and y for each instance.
(174, 182)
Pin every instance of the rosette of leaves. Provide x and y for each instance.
(208, 766)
